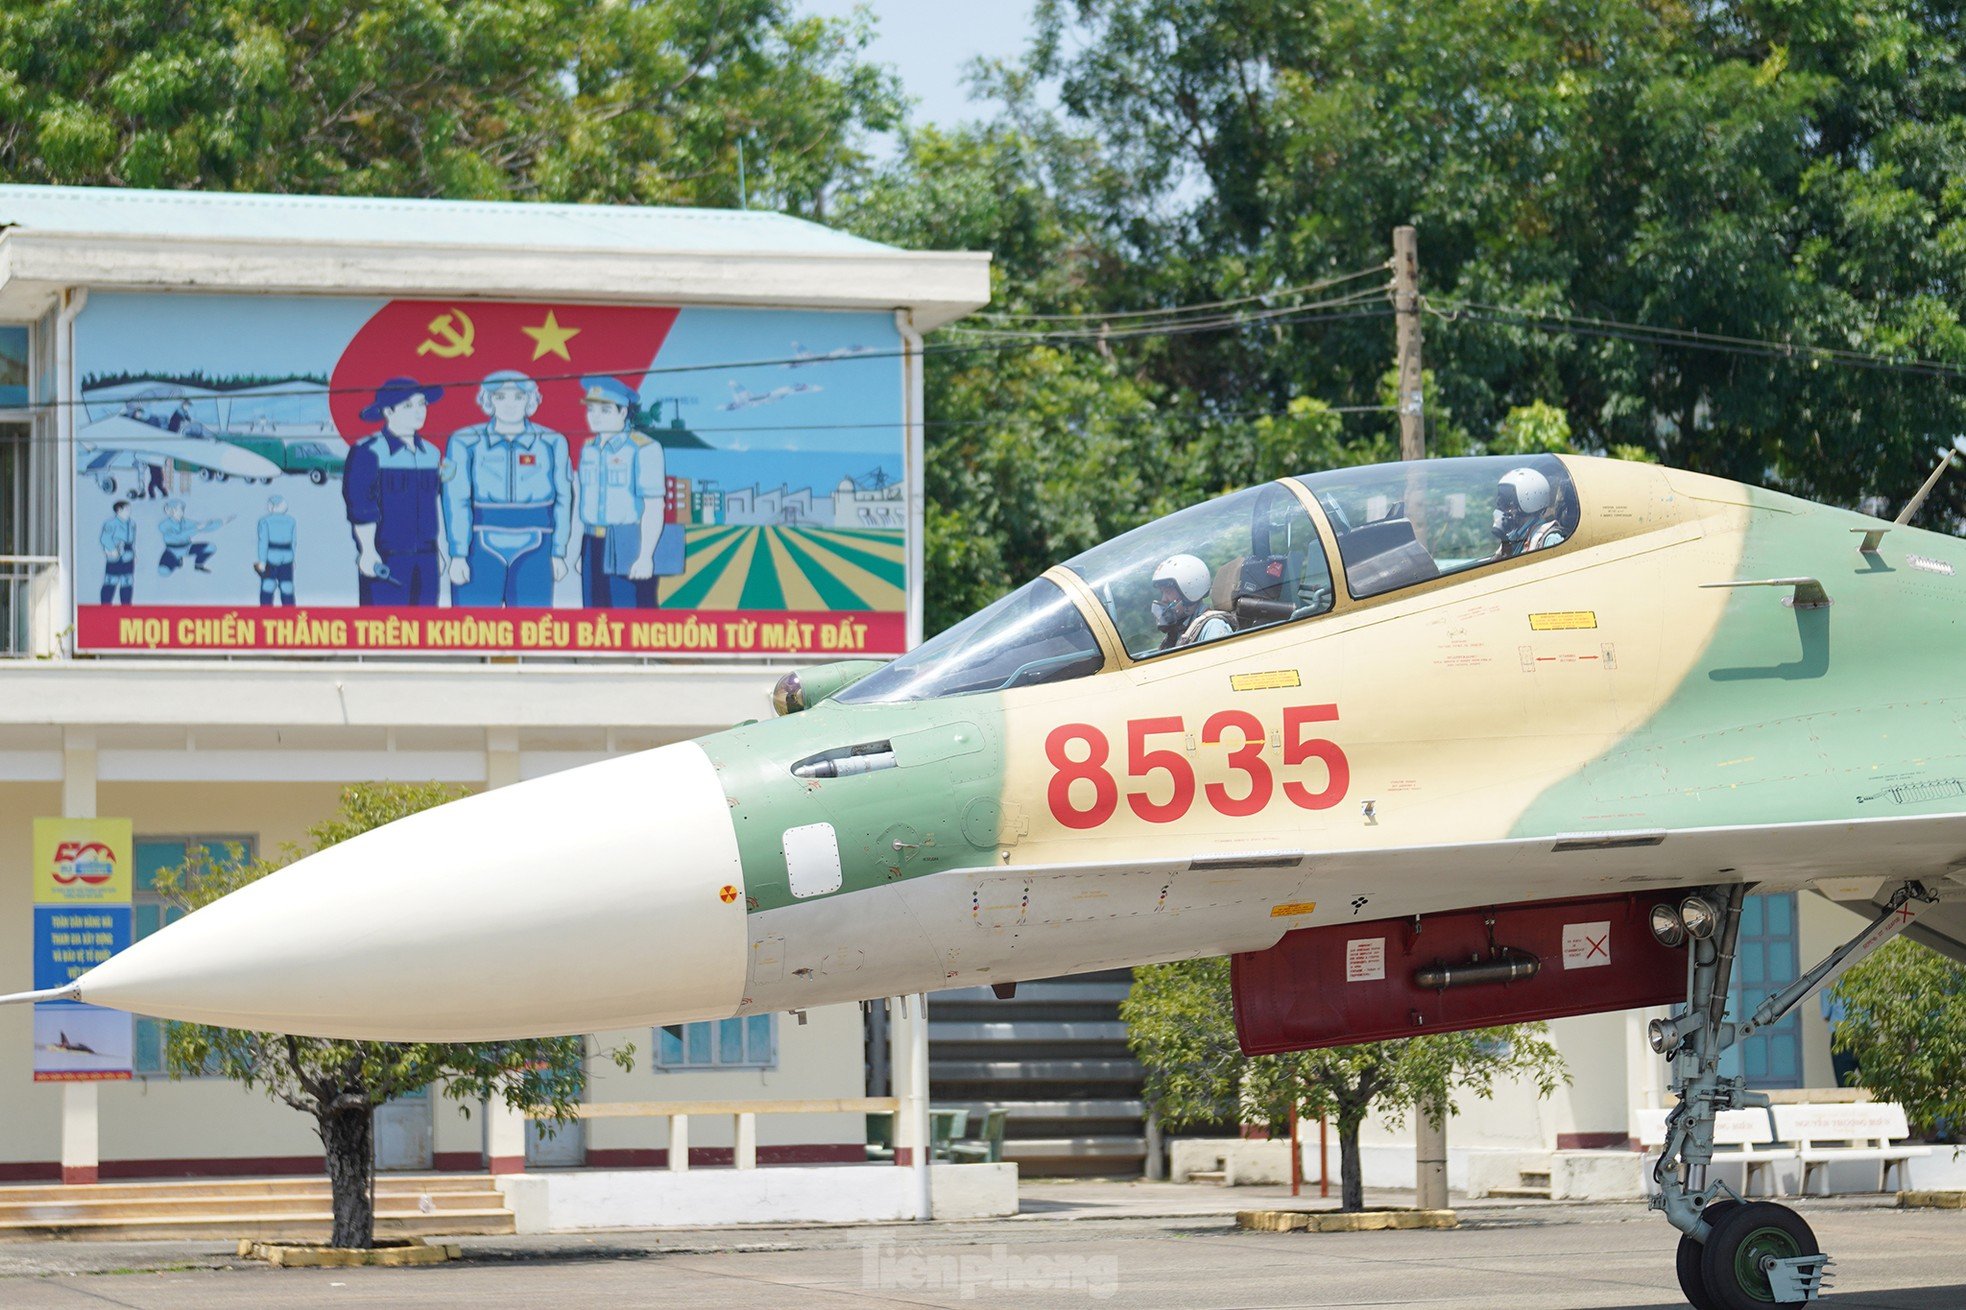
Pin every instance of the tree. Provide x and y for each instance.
(1904, 1019)
(574, 100)
(340, 1083)
(1178, 1025)
(1784, 172)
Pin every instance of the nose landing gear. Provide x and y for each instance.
(1736, 1254)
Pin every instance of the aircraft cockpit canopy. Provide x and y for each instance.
(1402, 524)
(1244, 562)
(1033, 635)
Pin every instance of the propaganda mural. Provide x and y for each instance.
(332, 475)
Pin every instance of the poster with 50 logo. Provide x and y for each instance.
(1301, 746)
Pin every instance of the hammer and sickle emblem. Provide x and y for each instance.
(455, 340)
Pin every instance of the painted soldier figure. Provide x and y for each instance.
(508, 500)
(275, 559)
(623, 498)
(119, 555)
(180, 536)
(391, 484)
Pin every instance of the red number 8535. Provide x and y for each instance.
(1299, 746)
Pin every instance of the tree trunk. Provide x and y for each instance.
(349, 1137)
(1351, 1177)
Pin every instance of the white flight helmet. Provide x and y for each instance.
(1531, 489)
(1520, 498)
(1187, 574)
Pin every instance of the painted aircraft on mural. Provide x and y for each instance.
(1449, 743)
(803, 358)
(127, 441)
(743, 399)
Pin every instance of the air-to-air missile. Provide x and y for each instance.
(1423, 746)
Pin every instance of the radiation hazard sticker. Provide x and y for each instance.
(727, 894)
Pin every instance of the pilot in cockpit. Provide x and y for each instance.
(1525, 514)
(1181, 593)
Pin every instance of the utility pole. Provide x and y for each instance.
(1406, 310)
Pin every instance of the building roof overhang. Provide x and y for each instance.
(56, 238)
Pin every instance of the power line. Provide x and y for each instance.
(1103, 332)
(1176, 310)
(1353, 307)
(1693, 339)
(1155, 420)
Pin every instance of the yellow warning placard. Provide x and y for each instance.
(1270, 681)
(1563, 620)
(1291, 908)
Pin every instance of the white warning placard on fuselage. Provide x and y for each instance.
(1365, 959)
(1587, 945)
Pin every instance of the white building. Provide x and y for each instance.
(206, 718)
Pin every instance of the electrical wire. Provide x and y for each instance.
(1176, 310)
(1692, 339)
(1356, 307)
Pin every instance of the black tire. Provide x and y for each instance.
(317, 476)
(1686, 1262)
(206, 475)
(1742, 1237)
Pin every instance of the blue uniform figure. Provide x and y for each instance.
(624, 490)
(275, 559)
(180, 540)
(119, 554)
(508, 500)
(391, 483)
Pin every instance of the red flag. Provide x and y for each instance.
(455, 344)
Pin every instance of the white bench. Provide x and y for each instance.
(1823, 1135)
(1743, 1137)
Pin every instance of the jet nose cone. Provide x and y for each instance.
(606, 896)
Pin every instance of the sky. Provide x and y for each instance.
(929, 44)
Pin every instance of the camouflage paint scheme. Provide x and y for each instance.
(1595, 716)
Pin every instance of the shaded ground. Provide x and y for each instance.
(1075, 1244)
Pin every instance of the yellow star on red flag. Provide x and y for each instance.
(549, 338)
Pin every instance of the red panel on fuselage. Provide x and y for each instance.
(1354, 982)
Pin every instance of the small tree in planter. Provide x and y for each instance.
(1180, 1024)
(340, 1084)
(1902, 1014)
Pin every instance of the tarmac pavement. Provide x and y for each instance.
(1075, 1244)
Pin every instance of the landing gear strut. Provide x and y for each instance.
(1736, 1254)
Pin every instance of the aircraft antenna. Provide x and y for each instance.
(1913, 505)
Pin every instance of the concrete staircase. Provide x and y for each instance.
(298, 1208)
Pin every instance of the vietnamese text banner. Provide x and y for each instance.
(493, 631)
(343, 463)
(83, 884)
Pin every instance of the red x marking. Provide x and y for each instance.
(1596, 946)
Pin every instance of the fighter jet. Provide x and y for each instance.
(128, 439)
(803, 358)
(1423, 746)
(743, 399)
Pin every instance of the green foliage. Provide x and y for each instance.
(587, 100)
(1536, 428)
(1904, 1019)
(316, 1074)
(1786, 171)
(1179, 1026)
